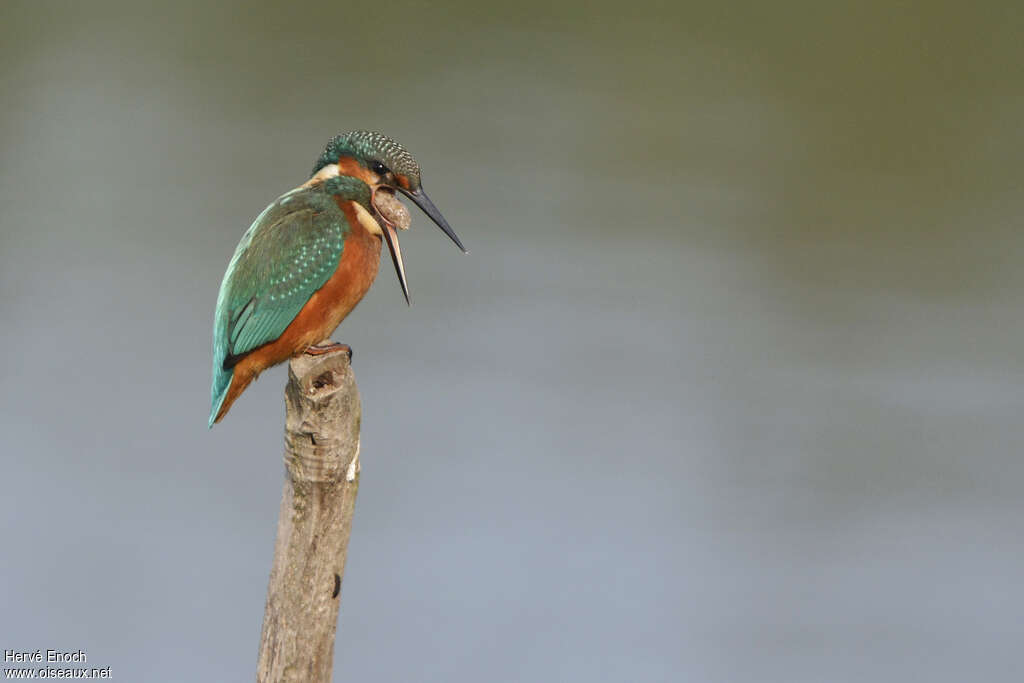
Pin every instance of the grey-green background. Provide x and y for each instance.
(728, 389)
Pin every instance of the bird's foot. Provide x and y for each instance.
(327, 346)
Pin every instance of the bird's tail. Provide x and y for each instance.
(228, 385)
(219, 391)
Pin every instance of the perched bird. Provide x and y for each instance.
(310, 257)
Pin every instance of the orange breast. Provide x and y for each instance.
(324, 311)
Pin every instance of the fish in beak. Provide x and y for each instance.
(394, 216)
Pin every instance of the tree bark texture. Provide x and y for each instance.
(321, 459)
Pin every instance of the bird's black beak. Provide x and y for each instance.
(391, 237)
(420, 198)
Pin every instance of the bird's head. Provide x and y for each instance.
(385, 166)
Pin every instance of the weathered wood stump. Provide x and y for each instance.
(321, 458)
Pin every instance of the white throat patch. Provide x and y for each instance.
(366, 220)
(328, 171)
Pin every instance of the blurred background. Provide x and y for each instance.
(728, 389)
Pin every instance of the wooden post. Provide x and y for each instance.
(321, 458)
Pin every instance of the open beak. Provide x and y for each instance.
(391, 237)
(420, 198)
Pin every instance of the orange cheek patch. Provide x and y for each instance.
(403, 181)
(350, 167)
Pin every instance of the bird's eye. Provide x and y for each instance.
(379, 168)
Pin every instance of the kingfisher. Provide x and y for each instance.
(310, 257)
